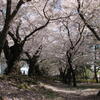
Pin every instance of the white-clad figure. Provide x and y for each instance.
(24, 69)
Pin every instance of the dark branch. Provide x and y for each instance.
(6, 50)
(79, 39)
(8, 10)
(51, 19)
(37, 29)
(85, 22)
(28, 55)
(20, 3)
(17, 9)
(38, 51)
(12, 36)
(69, 35)
(17, 31)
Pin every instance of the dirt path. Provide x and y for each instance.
(85, 92)
(10, 90)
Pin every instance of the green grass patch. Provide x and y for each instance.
(47, 93)
(86, 81)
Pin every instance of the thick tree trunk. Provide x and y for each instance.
(31, 69)
(34, 69)
(12, 55)
(3, 35)
(12, 68)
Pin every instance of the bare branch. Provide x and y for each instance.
(79, 39)
(85, 22)
(51, 19)
(6, 49)
(44, 10)
(8, 10)
(69, 35)
(17, 8)
(12, 36)
(34, 31)
(17, 31)
(28, 55)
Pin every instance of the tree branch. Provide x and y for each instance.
(8, 10)
(69, 35)
(37, 29)
(17, 31)
(85, 22)
(17, 8)
(6, 50)
(12, 36)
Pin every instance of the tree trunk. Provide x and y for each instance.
(31, 69)
(74, 78)
(34, 69)
(72, 71)
(68, 76)
(73, 75)
(33, 63)
(12, 67)
(3, 35)
(95, 74)
(95, 67)
(98, 94)
(12, 55)
(63, 75)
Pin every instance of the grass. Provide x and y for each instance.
(86, 81)
(48, 93)
(23, 82)
(89, 85)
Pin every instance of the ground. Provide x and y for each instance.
(24, 88)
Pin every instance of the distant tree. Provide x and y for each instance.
(34, 69)
(68, 73)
